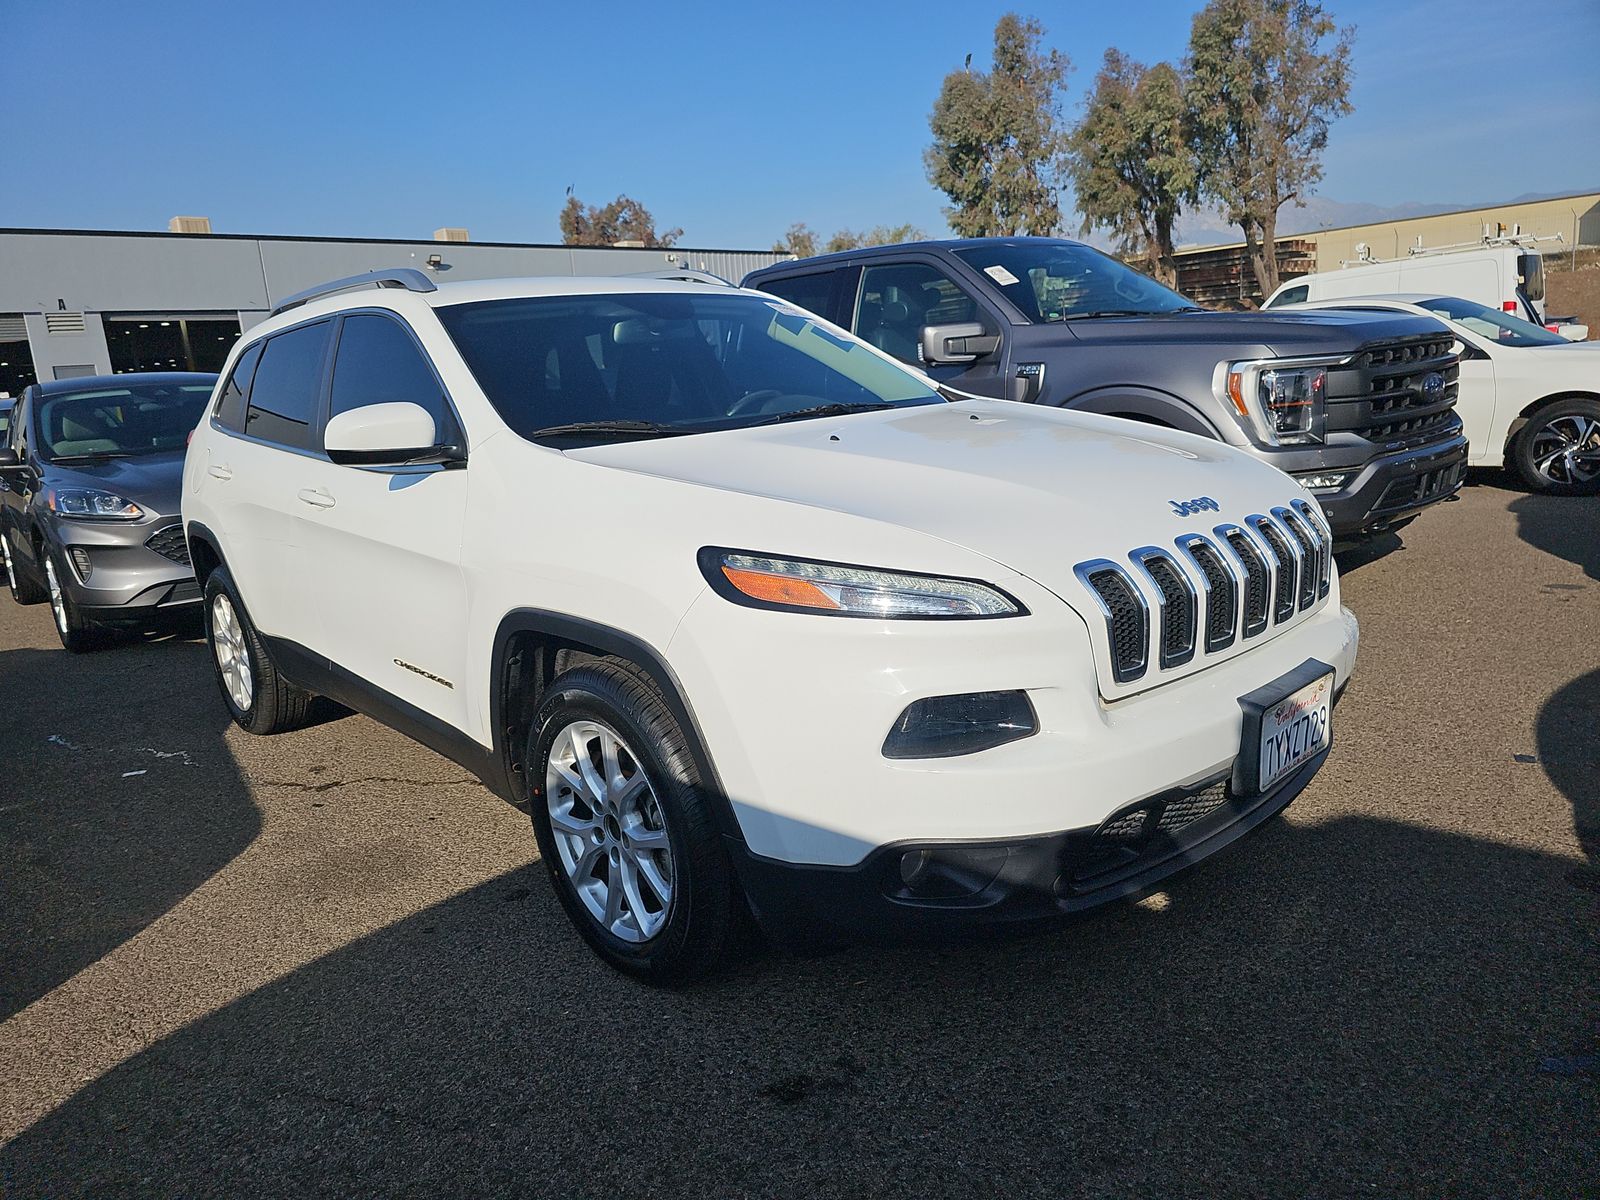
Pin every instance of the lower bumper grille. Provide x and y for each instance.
(170, 544)
(1422, 489)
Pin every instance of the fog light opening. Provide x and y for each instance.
(81, 563)
(947, 726)
(1325, 481)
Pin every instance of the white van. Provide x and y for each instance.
(1507, 277)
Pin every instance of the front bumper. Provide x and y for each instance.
(976, 887)
(1394, 487)
(793, 711)
(114, 575)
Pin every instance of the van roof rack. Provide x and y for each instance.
(409, 278)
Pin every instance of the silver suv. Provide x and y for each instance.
(90, 475)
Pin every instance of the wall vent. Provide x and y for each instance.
(63, 324)
(13, 329)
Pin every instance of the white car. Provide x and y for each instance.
(1529, 399)
(750, 616)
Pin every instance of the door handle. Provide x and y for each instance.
(317, 497)
(219, 471)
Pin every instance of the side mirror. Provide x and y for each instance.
(394, 434)
(946, 345)
(8, 458)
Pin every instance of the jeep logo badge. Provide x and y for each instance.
(1183, 508)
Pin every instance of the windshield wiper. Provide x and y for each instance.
(825, 410)
(613, 429)
(92, 456)
(1128, 312)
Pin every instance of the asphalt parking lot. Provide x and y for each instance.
(328, 964)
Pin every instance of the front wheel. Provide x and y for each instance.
(259, 699)
(625, 829)
(1558, 451)
(77, 633)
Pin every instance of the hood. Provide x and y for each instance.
(153, 481)
(1036, 490)
(1259, 334)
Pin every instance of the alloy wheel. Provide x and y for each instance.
(1566, 450)
(58, 601)
(610, 830)
(233, 661)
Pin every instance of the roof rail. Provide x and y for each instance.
(683, 275)
(409, 278)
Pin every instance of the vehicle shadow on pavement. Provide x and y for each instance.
(118, 798)
(1565, 526)
(1261, 1028)
(1569, 751)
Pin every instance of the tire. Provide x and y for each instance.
(23, 590)
(258, 697)
(77, 632)
(1558, 451)
(656, 828)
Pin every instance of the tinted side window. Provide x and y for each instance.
(230, 405)
(1295, 295)
(377, 363)
(814, 292)
(283, 398)
(898, 300)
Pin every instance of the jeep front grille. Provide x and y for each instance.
(170, 543)
(1211, 594)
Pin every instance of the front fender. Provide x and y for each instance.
(1149, 404)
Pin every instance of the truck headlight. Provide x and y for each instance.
(838, 590)
(1286, 404)
(92, 504)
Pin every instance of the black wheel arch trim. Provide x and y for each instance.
(1157, 406)
(605, 640)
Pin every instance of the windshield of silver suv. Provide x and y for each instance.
(119, 422)
(653, 364)
(1065, 281)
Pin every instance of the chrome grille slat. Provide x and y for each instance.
(1126, 615)
(1310, 559)
(1285, 566)
(1324, 538)
(1257, 576)
(1221, 590)
(1177, 615)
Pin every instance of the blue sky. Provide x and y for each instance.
(732, 121)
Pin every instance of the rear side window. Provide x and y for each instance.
(230, 405)
(814, 292)
(1294, 295)
(378, 362)
(1531, 268)
(283, 396)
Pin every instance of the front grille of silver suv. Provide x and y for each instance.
(1213, 590)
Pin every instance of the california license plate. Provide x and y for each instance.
(1293, 731)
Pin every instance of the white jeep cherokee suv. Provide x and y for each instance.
(753, 618)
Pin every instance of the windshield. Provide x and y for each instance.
(131, 420)
(1497, 326)
(1063, 281)
(654, 363)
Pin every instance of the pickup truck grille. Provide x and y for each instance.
(1403, 393)
(1210, 594)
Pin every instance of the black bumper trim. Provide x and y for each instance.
(1395, 487)
(1033, 885)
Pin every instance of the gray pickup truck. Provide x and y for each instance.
(1358, 407)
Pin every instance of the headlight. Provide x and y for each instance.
(92, 504)
(833, 589)
(1286, 404)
